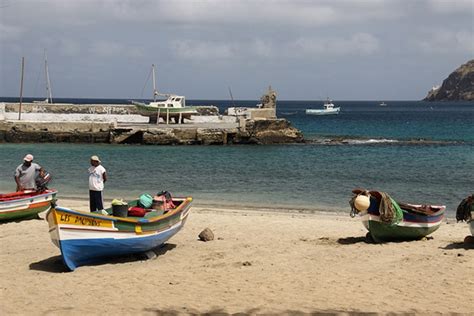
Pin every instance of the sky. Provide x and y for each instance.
(306, 50)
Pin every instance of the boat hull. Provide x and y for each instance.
(86, 238)
(412, 226)
(471, 224)
(405, 230)
(323, 112)
(25, 206)
(150, 111)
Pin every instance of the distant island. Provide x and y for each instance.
(459, 86)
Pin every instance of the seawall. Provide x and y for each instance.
(120, 124)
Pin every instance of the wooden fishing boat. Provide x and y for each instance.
(25, 204)
(465, 212)
(85, 237)
(409, 221)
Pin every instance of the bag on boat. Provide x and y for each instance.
(163, 200)
(136, 211)
(145, 200)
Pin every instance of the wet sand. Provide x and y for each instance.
(260, 262)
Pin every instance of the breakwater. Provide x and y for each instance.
(120, 124)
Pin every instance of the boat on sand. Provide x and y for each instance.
(25, 204)
(465, 212)
(389, 220)
(84, 237)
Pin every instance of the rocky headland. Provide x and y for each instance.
(459, 86)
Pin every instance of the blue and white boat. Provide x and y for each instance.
(85, 237)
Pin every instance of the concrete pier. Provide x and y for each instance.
(118, 124)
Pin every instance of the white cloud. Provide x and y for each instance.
(198, 50)
(106, 49)
(453, 6)
(358, 44)
(68, 47)
(8, 32)
(442, 41)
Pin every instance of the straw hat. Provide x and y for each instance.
(362, 203)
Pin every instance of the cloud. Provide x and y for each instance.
(454, 6)
(442, 41)
(199, 50)
(104, 49)
(358, 44)
(8, 32)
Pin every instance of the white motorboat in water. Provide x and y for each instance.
(328, 109)
(383, 104)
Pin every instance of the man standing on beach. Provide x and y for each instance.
(97, 177)
(25, 174)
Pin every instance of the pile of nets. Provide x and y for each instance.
(463, 212)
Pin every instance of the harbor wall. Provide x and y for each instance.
(117, 124)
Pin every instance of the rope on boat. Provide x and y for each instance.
(463, 212)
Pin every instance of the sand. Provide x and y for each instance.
(260, 262)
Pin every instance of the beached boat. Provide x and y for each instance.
(328, 108)
(85, 237)
(174, 107)
(25, 204)
(465, 212)
(388, 220)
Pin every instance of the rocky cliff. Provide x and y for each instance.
(459, 86)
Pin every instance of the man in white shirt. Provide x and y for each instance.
(25, 174)
(97, 177)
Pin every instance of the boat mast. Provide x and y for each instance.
(155, 92)
(21, 86)
(49, 94)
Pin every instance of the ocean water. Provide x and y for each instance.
(419, 152)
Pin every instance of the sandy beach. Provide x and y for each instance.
(260, 262)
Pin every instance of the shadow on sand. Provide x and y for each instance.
(352, 240)
(55, 264)
(256, 311)
(458, 245)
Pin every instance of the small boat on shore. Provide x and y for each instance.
(328, 108)
(389, 220)
(465, 212)
(85, 237)
(25, 204)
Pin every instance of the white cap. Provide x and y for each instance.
(28, 157)
(95, 158)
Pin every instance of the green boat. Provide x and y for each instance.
(174, 107)
(389, 220)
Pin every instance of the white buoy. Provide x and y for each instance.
(362, 203)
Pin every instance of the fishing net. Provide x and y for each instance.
(463, 212)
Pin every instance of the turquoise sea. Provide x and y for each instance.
(419, 152)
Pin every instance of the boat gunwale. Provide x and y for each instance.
(52, 191)
(182, 207)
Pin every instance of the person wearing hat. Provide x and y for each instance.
(97, 177)
(25, 174)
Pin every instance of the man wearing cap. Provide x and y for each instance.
(97, 177)
(25, 174)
